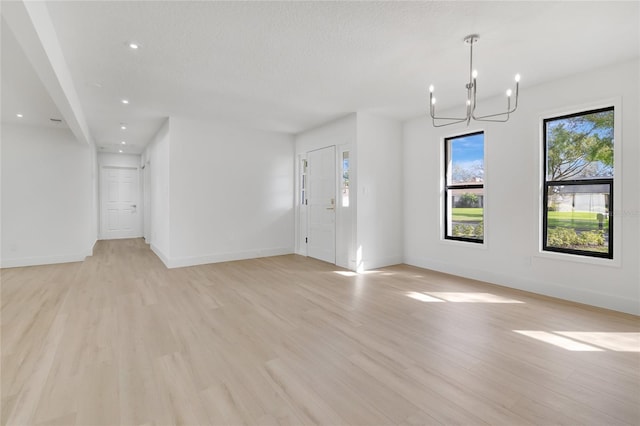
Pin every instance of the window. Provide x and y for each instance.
(464, 188)
(344, 180)
(578, 183)
(303, 181)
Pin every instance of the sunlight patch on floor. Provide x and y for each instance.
(422, 297)
(471, 297)
(347, 273)
(355, 274)
(560, 341)
(462, 297)
(619, 342)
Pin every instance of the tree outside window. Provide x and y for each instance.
(578, 184)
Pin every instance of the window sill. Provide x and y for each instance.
(458, 243)
(566, 257)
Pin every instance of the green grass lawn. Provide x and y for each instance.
(460, 214)
(584, 221)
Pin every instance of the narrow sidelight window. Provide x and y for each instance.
(578, 183)
(344, 180)
(303, 181)
(464, 188)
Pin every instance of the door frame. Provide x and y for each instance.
(101, 195)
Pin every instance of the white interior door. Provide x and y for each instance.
(321, 203)
(119, 200)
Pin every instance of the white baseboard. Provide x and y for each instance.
(181, 262)
(369, 264)
(42, 260)
(48, 260)
(164, 258)
(556, 290)
(89, 251)
(128, 237)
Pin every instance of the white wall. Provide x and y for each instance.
(48, 196)
(380, 194)
(231, 193)
(341, 133)
(156, 158)
(118, 160)
(511, 255)
(338, 132)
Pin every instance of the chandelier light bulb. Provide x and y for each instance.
(468, 102)
(475, 73)
(433, 101)
(509, 92)
(431, 89)
(517, 78)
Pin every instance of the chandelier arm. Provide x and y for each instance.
(484, 117)
(507, 112)
(446, 124)
(494, 121)
(432, 111)
(517, 93)
(448, 118)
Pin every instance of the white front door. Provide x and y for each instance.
(119, 201)
(321, 203)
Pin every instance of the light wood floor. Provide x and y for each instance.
(121, 340)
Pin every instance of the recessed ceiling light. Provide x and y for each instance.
(19, 115)
(125, 101)
(123, 127)
(120, 150)
(134, 45)
(123, 143)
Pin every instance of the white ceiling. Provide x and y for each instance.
(290, 66)
(22, 91)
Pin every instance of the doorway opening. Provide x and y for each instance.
(120, 203)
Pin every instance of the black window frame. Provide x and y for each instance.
(546, 184)
(449, 187)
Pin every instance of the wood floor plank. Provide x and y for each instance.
(287, 340)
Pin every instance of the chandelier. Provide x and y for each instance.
(472, 102)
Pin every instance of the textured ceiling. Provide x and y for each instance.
(290, 66)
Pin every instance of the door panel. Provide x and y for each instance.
(322, 204)
(119, 203)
